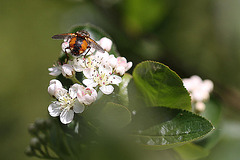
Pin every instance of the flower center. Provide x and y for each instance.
(101, 79)
(66, 101)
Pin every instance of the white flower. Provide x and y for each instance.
(104, 78)
(112, 61)
(85, 95)
(54, 87)
(192, 83)
(55, 70)
(87, 66)
(199, 91)
(106, 59)
(78, 64)
(101, 58)
(66, 105)
(200, 106)
(67, 70)
(105, 43)
(65, 46)
(122, 65)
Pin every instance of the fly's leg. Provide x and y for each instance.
(66, 60)
(87, 52)
(84, 57)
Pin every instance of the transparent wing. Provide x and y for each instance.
(63, 36)
(96, 46)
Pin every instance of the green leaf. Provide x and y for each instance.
(96, 34)
(123, 89)
(136, 99)
(191, 151)
(114, 115)
(161, 127)
(213, 113)
(161, 86)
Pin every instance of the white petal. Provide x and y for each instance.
(105, 69)
(60, 92)
(120, 70)
(67, 70)
(55, 71)
(54, 109)
(107, 89)
(200, 106)
(57, 82)
(54, 85)
(87, 96)
(89, 83)
(200, 95)
(122, 61)
(78, 64)
(94, 92)
(129, 65)
(105, 43)
(65, 45)
(78, 107)
(52, 89)
(91, 51)
(88, 72)
(78, 68)
(66, 116)
(100, 56)
(187, 84)
(195, 81)
(74, 89)
(89, 99)
(114, 79)
(112, 61)
(208, 85)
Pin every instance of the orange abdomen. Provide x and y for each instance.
(78, 45)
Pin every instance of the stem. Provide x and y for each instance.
(46, 150)
(75, 80)
(41, 152)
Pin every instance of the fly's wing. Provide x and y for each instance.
(94, 45)
(63, 36)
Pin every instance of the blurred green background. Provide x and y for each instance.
(191, 37)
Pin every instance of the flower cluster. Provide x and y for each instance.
(199, 91)
(101, 71)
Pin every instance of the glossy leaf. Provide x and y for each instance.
(136, 99)
(191, 151)
(161, 127)
(114, 115)
(123, 89)
(161, 86)
(213, 113)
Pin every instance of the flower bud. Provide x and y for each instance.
(67, 70)
(54, 86)
(43, 138)
(29, 151)
(40, 123)
(32, 129)
(35, 143)
(105, 43)
(200, 106)
(65, 47)
(48, 123)
(55, 70)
